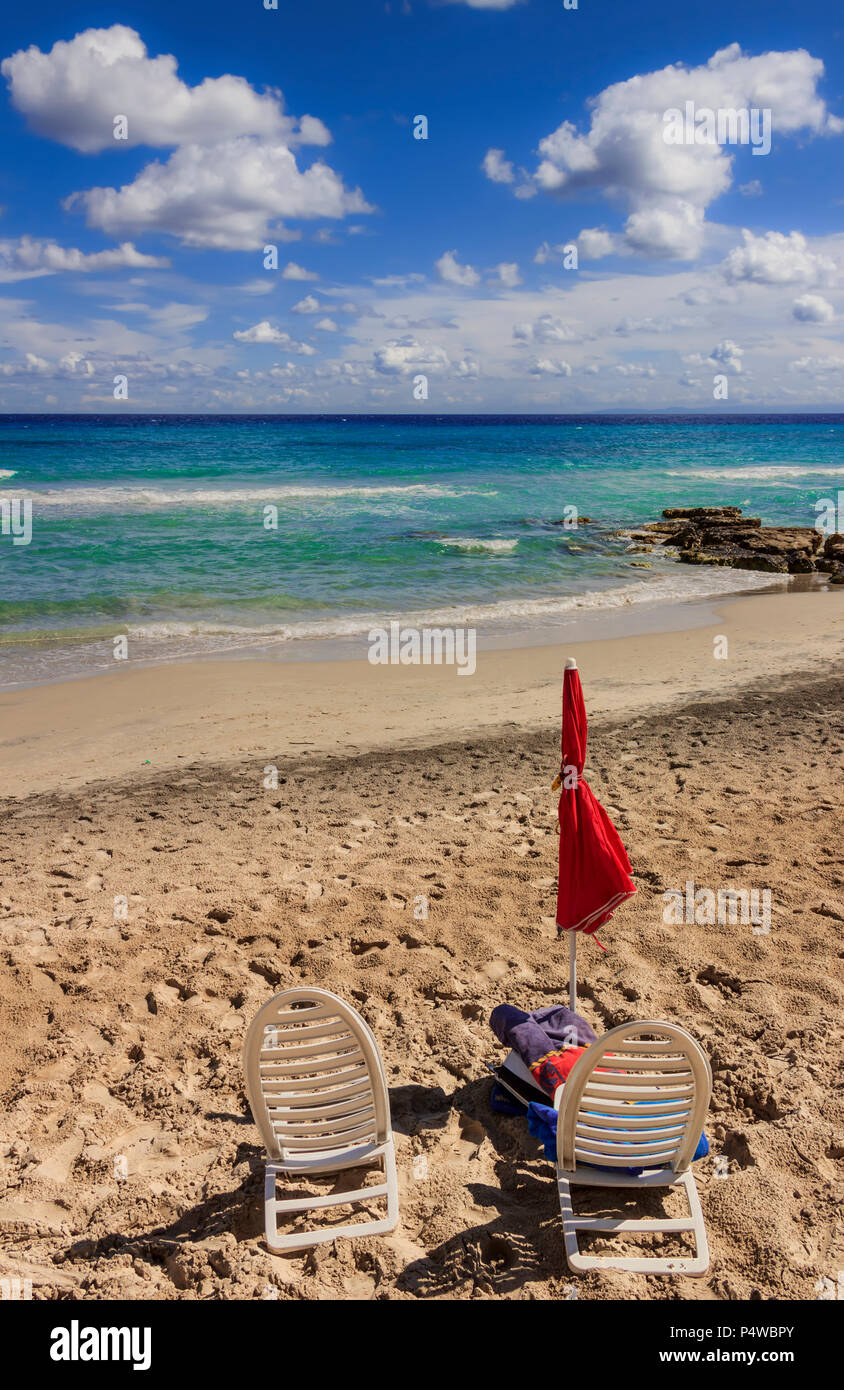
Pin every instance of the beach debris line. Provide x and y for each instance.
(723, 536)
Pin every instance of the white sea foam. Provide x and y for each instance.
(8, 472)
(493, 546)
(128, 498)
(758, 472)
(669, 588)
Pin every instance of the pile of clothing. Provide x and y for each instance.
(547, 1043)
(544, 1047)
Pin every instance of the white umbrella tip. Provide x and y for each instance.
(571, 664)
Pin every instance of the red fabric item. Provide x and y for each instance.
(594, 869)
(553, 1069)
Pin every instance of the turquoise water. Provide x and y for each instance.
(155, 527)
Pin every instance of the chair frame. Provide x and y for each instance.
(320, 1101)
(589, 1107)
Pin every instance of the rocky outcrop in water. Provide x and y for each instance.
(723, 536)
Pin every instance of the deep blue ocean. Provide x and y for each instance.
(163, 528)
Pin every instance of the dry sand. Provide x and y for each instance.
(120, 1039)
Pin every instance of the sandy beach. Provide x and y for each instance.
(130, 1163)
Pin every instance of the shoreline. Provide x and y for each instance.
(131, 722)
(545, 621)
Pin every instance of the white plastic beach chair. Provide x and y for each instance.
(645, 1109)
(318, 1094)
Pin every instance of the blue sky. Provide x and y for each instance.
(701, 268)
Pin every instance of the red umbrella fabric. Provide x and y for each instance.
(594, 869)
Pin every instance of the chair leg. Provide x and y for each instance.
(695, 1265)
(304, 1240)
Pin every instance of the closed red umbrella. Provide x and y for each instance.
(594, 874)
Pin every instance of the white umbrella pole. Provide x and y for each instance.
(573, 971)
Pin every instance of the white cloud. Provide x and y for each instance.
(814, 365)
(545, 329)
(264, 332)
(595, 242)
(70, 365)
(753, 189)
(668, 187)
(232, 178)
(813, 308)
(635, 369)
(389, 282)
(544, 366)
(776, 259)
(292, 271)
(727, 355)
(449, 269)
(326, 326)
(673, 232)
(174, 318)
(27, 257)
(309, 305)
(229, 196)
(401, 356)
(261, 286)
(497, 168)
(73, 93)
(629, 326)
(508, 274)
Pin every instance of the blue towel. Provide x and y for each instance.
(542, 1123)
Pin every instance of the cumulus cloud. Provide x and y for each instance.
(449, 269)
(668, 187)
(673, 232)
(813, 308)
(73, 93)
(595, 242)
(545, 366)
(309, 305)
(70, 365)
(326, 326)
(292, 271)
(26, 257)
(497, 168)
(230, 196)
(232, 178)
(776, 259)
(635, 369)
(264, 332)
(545, 329)
(402, 356)
(508, 274)
(726, 355)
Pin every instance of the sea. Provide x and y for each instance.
(293, 536)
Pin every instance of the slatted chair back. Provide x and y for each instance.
(314, 1079)
(636, 1098)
